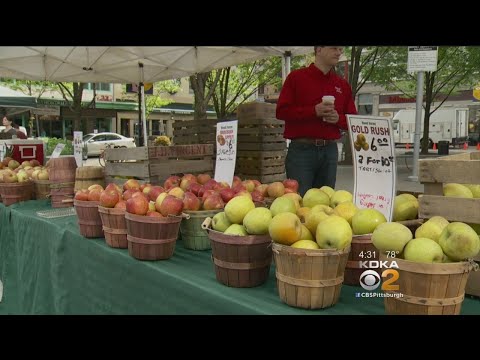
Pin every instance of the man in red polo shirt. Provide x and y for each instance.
(313, 125)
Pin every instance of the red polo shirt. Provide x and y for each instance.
(302, 90)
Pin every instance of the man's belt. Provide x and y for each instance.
(316, 142)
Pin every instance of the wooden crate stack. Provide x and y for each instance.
(461, 169)
(261, 148)
(194, 131)
(154, 164)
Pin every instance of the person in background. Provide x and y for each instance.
(20, 134)
(314, 125)
(9, 131)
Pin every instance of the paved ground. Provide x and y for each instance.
(345, 172)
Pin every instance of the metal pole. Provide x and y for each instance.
(418, 126)
(284, 70)
(144, 120)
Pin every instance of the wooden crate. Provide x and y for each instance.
(256, 110)
(155, 164)
(433, 173)
(194, 131)
(264, 166)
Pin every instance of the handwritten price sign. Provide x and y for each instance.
(373, 154)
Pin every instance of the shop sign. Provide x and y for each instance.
(226, 139)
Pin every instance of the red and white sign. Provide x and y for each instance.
(24, 150)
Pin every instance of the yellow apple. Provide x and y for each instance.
(315, 197)
(316, 215)
(283, 204)
(302, 213)
(237, 208)
(391, 236)
(285, 228)
(423, 250)
(366, 220)
(297, 199)
(340, 196)
(459, 241)
(405, 207)
(432, 228)
(328, 190)
(305, 244)
(475, 189)
(236, 229)
(306, 234)
(256, 221)
(346, 210)
(220, 222)
(457, 190)
(334, 233)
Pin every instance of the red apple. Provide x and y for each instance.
(194, 188)
(113, 186)
(276, 189)
(191, 202)
(154, 192)
(257, 196)
(239, 187)
(291, 184)
(171, 182)
(227, 195)
(154, 214)
(82, 195)
(203, 178)
(262, 189)
(127, 194)
(137, 205)
(122, 204)
(109, 198)
(210, 184)
(34, 162)
(95, 187)
(257, 183)
(159, 200)
(213, 202)
(139, 193)
(94, 195)
(207, 193)
(236, 181)
(171, 205)
(177, 192)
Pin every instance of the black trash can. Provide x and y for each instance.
(443, 147)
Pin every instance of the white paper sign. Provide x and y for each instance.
(57, 151)
(226, 140)
(422, 58)
(374, 167)
(78, 147)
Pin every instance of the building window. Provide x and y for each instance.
(365, 104)
(99, 87)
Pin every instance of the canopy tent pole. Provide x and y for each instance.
(142, 124)
(286, 65)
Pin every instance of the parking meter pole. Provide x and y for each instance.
(418, 126)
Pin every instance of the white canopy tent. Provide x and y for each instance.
(135, 64)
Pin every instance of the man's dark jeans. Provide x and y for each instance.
(312, 166)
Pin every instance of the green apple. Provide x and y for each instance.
(317, 214)
(283, 204)
(285, 228)
(315, 197)
(405, 207)
(236, 229)
(334, 233)
(423, 250)
(256, 222)
(346, 210)
(432, 228)
(220, 222)
(459, 241)
(305, 244)
(237, 208)
(306, 234)
(366, 220)
(391, 236)
(457, 190)
(475, 189)
(340, 196)
(328, 190)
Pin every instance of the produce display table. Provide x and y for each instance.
(47, 267)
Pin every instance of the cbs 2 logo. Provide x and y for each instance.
(370, 280)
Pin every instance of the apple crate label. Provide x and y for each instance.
(374, 167)
(226, 140)
(78, 147)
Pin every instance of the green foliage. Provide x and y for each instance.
(52, 143)
(29, 87)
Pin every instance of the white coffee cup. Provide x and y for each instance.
(328, 99)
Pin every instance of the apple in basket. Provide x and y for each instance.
(154, 192)
(213, 202)
(94, 195)
(291, 184)
(171, 182)
(191, 202)
(227, 194)
(127, 194)
(113, 186)
(94, 187)
(262, 189)
(131, 184)
(177, 192)
(109, 198)
(43, 174)
(171, 205)
(203, 178)
(154, 214)
(82, 195)
(137, 205)
(276, 189)
(122, 204)
(194, 188)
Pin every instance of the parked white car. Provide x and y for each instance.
(96, 143)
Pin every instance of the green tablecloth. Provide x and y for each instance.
(47, 267)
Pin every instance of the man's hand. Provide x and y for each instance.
(324, 109)
(331, 118)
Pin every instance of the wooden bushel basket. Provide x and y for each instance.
(240, 261)
(89, 175)
(62, 194)
(89, 220)
(152, 238)
(114, 227)
(352, 270)
(309, 279)
(194, 237)
(16, 192)
(42, 189)
(428, 289)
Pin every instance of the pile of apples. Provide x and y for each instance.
(435, 241)
(11, 171)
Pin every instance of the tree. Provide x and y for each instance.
(202, 93)
(457, 68)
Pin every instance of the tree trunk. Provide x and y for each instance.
(429, 81)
